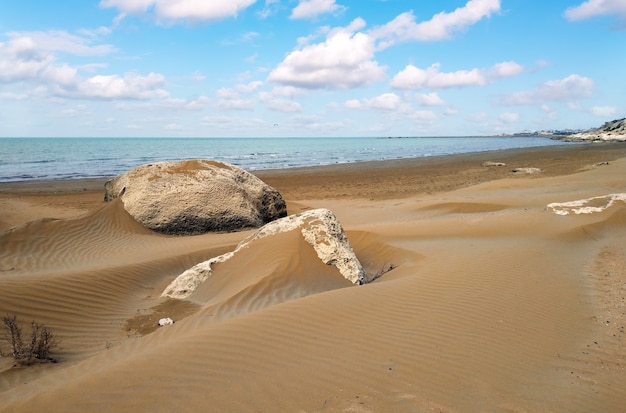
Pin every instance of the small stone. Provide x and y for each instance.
(166, 321)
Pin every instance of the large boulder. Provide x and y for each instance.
(320, 228)
(195, 197)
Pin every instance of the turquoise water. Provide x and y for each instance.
(24, 159)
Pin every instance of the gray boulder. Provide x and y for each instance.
(195, 197)
(320, 228)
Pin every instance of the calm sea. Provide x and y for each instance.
(24, 159)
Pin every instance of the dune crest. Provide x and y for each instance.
(319, 228)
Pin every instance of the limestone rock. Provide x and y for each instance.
(613, 131)
(166, 322)
(319, 227)
(195, 197)
(586, 206)
(527, 170)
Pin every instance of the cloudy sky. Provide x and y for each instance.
(222, 68)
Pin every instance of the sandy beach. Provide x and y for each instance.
(496, 302)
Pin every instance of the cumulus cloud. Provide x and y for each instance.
(441, 26)
(415, 78)
(593, 8)
(175, 10)
(343, 61)
(25, 60)
(429, 99)
(570, 88)
(232, 99)
(130, 86)
(386, 101)
(307, 9)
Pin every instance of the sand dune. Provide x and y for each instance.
(494, 303)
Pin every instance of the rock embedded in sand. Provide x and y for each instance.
(529, 171)
(320, 228)
(492, 163)
(195, 197)
(586, 206)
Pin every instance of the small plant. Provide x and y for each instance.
(36, 348)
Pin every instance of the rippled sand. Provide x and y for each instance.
(496, 302)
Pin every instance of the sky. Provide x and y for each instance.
(309, 68)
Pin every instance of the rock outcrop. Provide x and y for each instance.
(610, 131)
(195, 197)
(320, 228)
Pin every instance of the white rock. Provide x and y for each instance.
(319, 227)
(586, 206)
(195, 197)
(166, 321)
(527, 170)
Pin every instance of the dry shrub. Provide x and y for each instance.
(37, 346)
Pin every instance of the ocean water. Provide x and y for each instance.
(24, 159)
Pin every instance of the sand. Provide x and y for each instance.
(495, 303)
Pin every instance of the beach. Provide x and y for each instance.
(501, 297)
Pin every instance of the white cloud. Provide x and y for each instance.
(593, 8)
(429, 99)
(352, 104)
(509, 117)
(386, 101)
(62, 41)
(130, 86)
(450, 111)
(415, 78)
(423, 116)
(29, 60)
(343, 61)
(279, 104)
(504, 69)
(249, 87)
(233, 123)
(570, 88)
(231, 98)
(307, 9)
(173, 10)
(440, 27)
(604, 111)
(270, 8)
(346, 58)
(197, 104)
(198, 76)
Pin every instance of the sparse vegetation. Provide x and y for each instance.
(37, 346)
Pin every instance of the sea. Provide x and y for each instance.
(28, 159)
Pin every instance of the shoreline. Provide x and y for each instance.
(517, 157)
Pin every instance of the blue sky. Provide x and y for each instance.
(290, 68)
